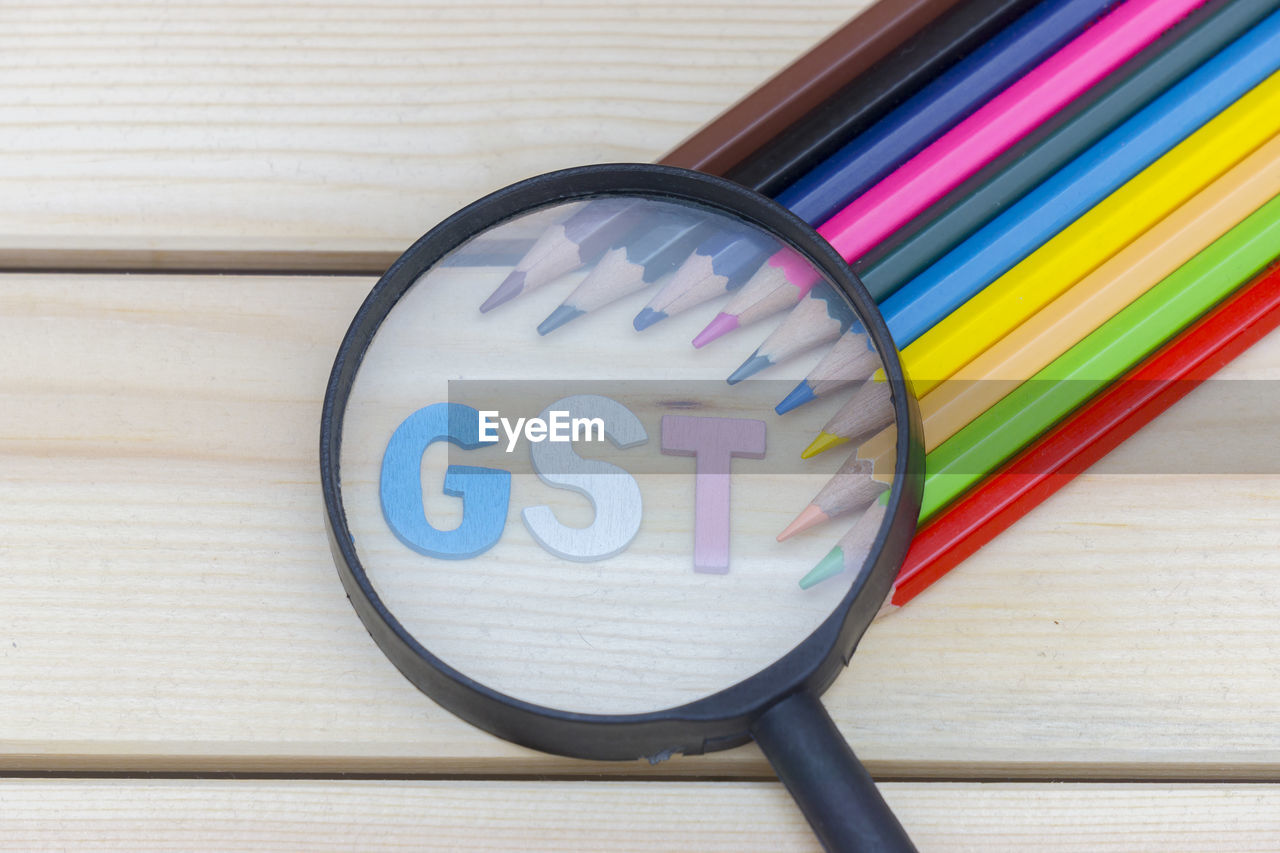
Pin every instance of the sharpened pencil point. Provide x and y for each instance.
(750, 367)
(510, 288)
(801, 394)
(810, 516)
(824, 442)
(647, 317)
(828, 567)
(721, 324)
(886, 608)
(558, 318)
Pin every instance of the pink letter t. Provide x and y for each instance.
(712, 442)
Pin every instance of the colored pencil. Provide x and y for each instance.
(1118, 344)
(803, 85)
(577, 242)
(1034, 220)
(823, 315)
(1057, 457)
(852, 487)
(960, 152)
(720, 265)
(852, 549)
(1085, 245)
(1074, 315)
(651, 250)
(848, 362)
(725, 263)
(855, 422)
(1110, 352)
(1159, 67)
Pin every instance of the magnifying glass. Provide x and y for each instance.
(564, 530)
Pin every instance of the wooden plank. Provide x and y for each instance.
(328, 135)
(167, 600)
(481, 815)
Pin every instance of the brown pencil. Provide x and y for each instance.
(786, 97)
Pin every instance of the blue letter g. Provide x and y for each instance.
(485, 492)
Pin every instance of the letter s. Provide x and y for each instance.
(614, 494)
(485, 492)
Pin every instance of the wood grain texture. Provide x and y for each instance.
(256, 815)
(167, 599)
(329, 135)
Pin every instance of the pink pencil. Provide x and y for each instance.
(959, 153)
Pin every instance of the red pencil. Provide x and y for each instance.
(1090, 434)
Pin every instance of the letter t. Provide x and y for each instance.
(712, 442)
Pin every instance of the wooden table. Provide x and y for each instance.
(195, 197)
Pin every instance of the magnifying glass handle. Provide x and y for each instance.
(832, 788)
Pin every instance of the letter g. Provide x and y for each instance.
(485, 492)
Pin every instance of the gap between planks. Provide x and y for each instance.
(244, 815)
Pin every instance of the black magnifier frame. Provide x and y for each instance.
(778, 705)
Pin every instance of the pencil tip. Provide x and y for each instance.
(824, 442)
(558, 318)
(508, 290)
(886, 608)
(829, 566)
(647, 317)
(801, 394)
(750, 367)
(809, 517)
(721, 324)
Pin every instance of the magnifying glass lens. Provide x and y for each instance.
(575, 513)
